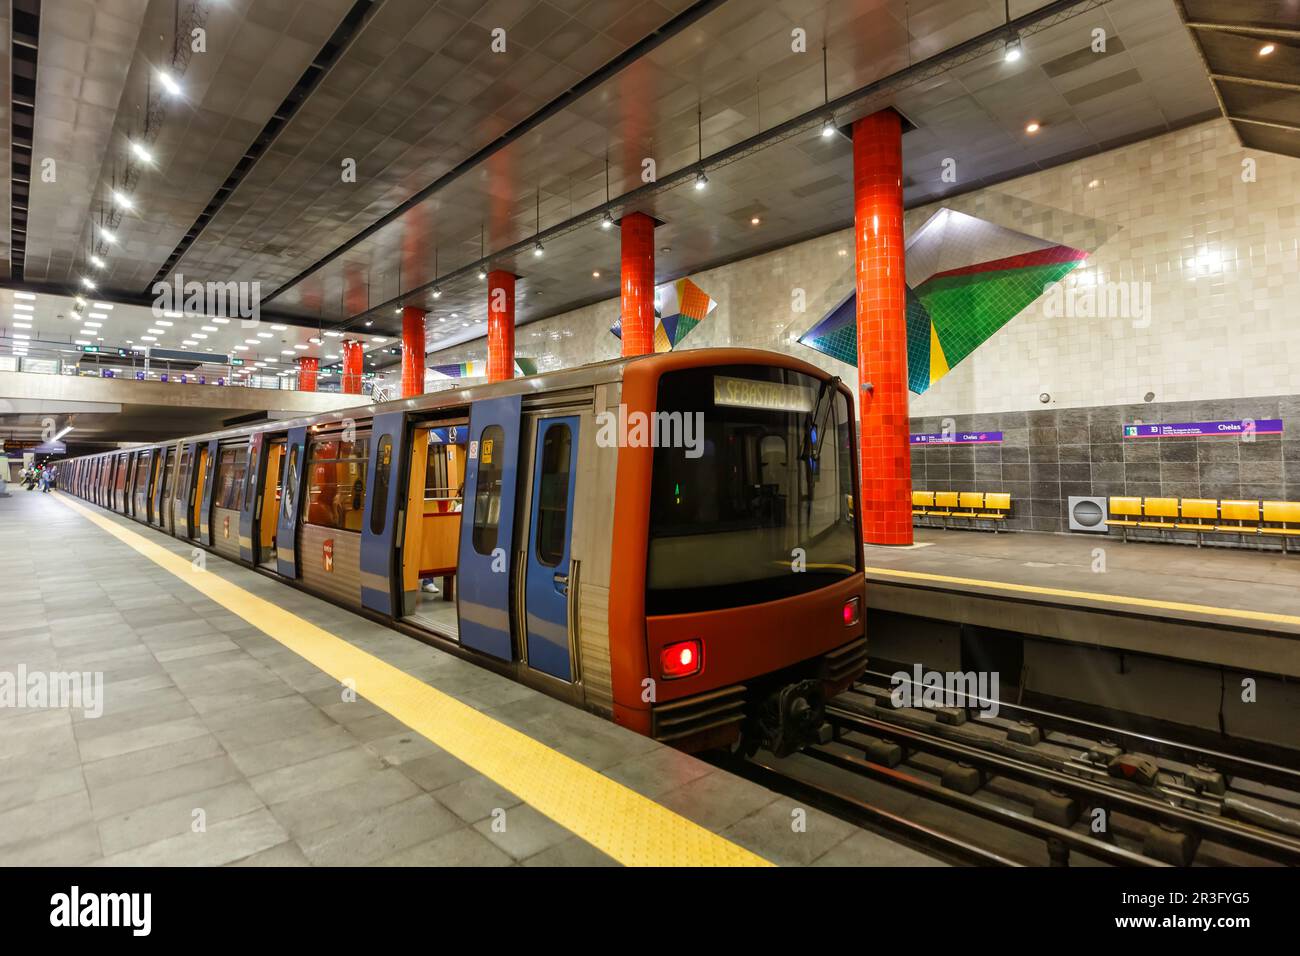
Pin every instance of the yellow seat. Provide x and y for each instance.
(1195, 512)
(970, 503)
(1129, 508)
(1161, 508)
(1245, 513)
(999, 503)
(1283, 513)
(944, 503)
(921, 500)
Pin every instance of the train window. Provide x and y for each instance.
(487, 490)
(553, 494)
(291, 485)
(230, 478)
(764, 468)
(383, 468)
(336, 482)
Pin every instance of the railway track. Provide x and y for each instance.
(994, 789)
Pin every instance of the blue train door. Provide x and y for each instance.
(487, 526)
(550, 530)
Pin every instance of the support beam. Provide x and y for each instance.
(886, 503)
(353, 363)
(501, 325)
(637, 283)
(412, 351)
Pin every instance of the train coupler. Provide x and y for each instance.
(792, 718)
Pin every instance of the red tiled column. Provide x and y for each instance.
(307, 369)
(412, 352)
(501, 326)
(638, 284)
(353, 361)
(882, 329)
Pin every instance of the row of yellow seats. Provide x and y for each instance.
(993, 505)
(1280, 518)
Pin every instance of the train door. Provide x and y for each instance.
(547, 564)
(120, 480)
(430, 542)
(182, 509)
(196, 499)
(266, 516)
(162, 503)
(204, 503)
(286, 535)
(140, 485)
(487, 526)
(151, 494)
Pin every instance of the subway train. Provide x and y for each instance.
(670, 541)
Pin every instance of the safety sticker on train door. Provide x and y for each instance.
(327, 554)
(473, 450)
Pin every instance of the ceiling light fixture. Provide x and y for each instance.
(607, 221)
(107, 236)
(1266, 49)
(1033, 127)
(97, 262)
(1011, 52)
(88, 282)
(701, 180)
(122, 199)
(141, 153)
(437, 293)
(24, 295)
(168, 83)
(538, 250)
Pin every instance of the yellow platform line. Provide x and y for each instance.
(629, 827)
(1122, 599)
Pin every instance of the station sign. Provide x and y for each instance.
(765, 396)
(957, 438)
(102, 350)
(1239, 426)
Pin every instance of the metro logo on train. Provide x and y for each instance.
(327, 555)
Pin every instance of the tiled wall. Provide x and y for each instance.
(1048, 455)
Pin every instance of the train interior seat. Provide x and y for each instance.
(432, 541)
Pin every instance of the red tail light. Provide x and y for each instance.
(681, 659)
(852, 608)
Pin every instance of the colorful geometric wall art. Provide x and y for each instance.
(966, 279)
(523, 366)
(679, 307)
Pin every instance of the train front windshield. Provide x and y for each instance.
(752, 491)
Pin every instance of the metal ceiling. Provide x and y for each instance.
(1251, 49)
(458, 148)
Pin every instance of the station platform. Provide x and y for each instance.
(1230, 607)
(229, 733)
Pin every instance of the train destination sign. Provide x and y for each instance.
(750, 393)
(1240, 426)
(958, 438)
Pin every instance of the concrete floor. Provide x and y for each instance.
(206, 716)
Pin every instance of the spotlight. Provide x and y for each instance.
(122, 199)
(107, 236)
(828, 129)
(1011, 53)
(437, 293)
(1266, 49)
(141, 153)
(701, 181)
(88, 282)
(168, 83)
(538, 250)
(97, 262)
(607, 221)
(1033, 128)
(481, 275)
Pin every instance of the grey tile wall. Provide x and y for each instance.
(1049, 455)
